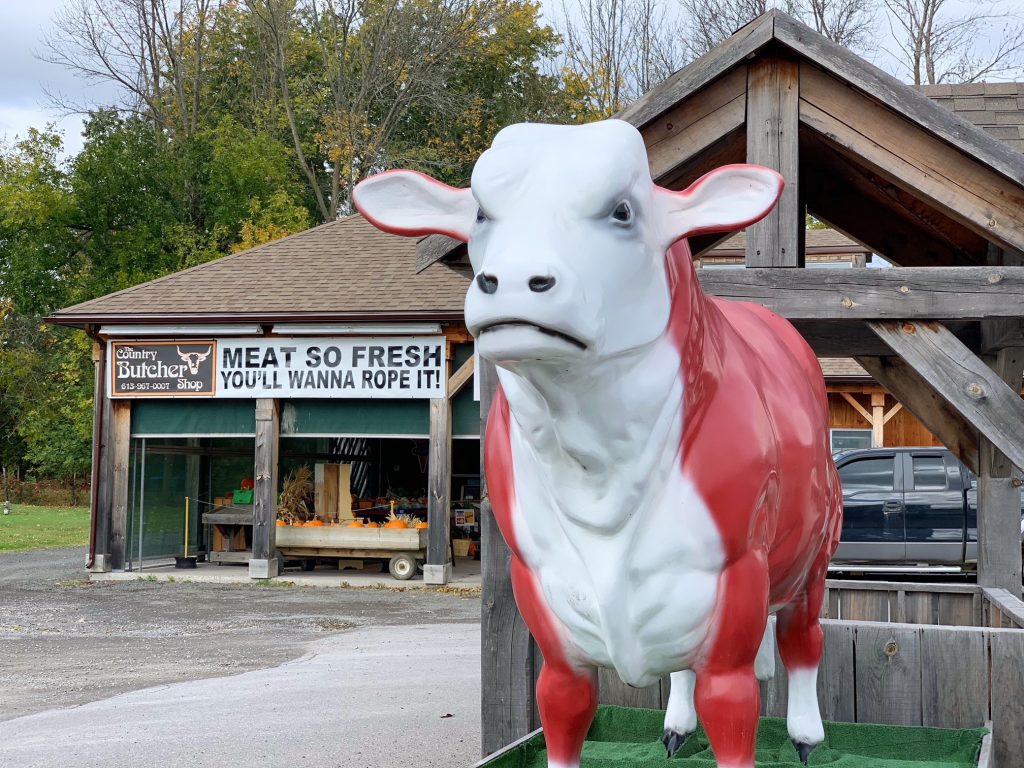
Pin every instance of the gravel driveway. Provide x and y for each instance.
(65, 641)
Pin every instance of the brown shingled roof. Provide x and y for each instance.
(842, 369)
(342, 268)
(997, 108)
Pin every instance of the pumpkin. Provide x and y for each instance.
(281, 522)
(315, 523)
(372, 525)
(421, 525)
(247, 484)
(357, 523)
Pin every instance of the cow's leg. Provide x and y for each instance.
(680, 716)
(566, 691)
(800, 644)
(726, 696)
(764, 664)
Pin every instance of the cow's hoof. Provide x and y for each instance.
(673, 741)
(803, 749)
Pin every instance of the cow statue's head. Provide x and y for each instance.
(567, 235)
(193, 359)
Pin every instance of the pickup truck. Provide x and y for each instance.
(906, 507)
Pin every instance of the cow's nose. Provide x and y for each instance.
(541, 283)
(488, 283)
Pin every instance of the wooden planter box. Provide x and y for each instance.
(331, 541)
(942, 655)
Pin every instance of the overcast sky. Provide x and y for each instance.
(24, 79)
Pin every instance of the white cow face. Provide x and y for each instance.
(567, 236)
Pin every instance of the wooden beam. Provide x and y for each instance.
(773, 119)
(940, 293)
(958, 184)
(857, 406)
(264, 563)
(877, 419)
(999, 495)
(508, 660)
(917, 395)
(902, 98)
(712, 65)
(121, 412)
(870, 209)
(692, 127)
(892, 412)
(459, 379)
(962, 379)
(438, 568)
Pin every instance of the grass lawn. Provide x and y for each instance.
(30, 527)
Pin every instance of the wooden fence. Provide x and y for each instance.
(955, 660)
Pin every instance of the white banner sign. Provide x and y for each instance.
(351, 367)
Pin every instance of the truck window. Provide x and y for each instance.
(874, 474)
(929, 473)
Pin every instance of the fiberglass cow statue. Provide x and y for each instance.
(658, 460)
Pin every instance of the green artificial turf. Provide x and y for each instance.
(631, 738)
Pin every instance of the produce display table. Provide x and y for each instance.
(631, 738)
(403, 548)
(230, 535)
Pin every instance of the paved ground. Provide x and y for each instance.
(203, 674)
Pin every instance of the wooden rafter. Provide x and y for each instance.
(914, 391)
(929, 168)
(962, 379)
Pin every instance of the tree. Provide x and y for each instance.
(616, 50)
(847, 22)
(935, 46)
(154, 50)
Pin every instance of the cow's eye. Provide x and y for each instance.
(480, 215)
(623, 214)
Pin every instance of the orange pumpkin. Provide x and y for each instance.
(315, 523)
(355, 524)
(372, 525)
(395, 524)
(281, 522)
(421, 525)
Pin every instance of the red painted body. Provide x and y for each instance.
(755, 442)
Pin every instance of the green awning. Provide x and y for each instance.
(344, 418)
(193, 418)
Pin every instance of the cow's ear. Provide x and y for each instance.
(413, 204)
(723, 200)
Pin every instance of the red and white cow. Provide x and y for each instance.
(658, 459)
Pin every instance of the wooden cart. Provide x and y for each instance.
(403, 548)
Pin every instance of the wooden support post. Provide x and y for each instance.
(963, 380)
(120, 445)
(264, 563)
(508, 656)
(102, 473)
(917, 395)
(877, 419)
(999, 497)
(438, 568)
(773, 120)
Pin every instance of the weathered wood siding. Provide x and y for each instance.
(902, 429)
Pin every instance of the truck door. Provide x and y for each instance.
(934, 508)
(873, 520)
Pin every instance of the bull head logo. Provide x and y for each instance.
(193, 359)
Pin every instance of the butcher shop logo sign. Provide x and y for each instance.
(162, 369)
(402, 367)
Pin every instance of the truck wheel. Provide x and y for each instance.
(402, 567)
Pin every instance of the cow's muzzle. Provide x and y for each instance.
(499, 324)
